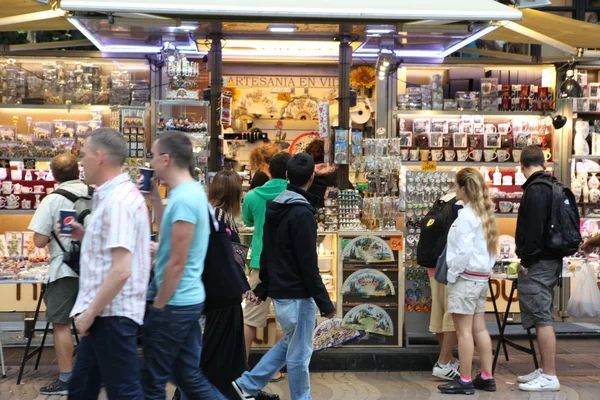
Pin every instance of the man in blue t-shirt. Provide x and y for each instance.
(171, 334)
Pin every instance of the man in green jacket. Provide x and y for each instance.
(254, 209)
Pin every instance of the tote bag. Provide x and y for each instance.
(222, 280)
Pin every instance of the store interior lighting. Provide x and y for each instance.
(385, 60)
(170, 53)
(380, 29)
(282, 28)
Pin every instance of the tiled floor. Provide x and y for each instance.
(578, 363)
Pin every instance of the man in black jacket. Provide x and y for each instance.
(289, 275)
(540, 268)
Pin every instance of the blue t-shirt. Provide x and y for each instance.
(188, 203)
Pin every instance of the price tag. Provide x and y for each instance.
(428, 166)
(397, 243)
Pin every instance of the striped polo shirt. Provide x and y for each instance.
(119, 219)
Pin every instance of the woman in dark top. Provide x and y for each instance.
(224, 348)
(325, 175)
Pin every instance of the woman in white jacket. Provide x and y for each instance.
(470, 255)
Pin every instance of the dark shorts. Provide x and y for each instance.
(536, 292)
(60, 298)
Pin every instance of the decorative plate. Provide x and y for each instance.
(369, 318)
(369, 249)
(300, 143)
(331, 333)
(368, 282)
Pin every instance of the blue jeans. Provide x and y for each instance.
(172, 341)
(108, 354)
(297, 318)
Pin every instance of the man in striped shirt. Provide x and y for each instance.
(115, 268)
(172, 336)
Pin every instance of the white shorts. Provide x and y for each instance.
(467, 297)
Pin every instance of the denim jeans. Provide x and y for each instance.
(297, 318)
(108, 354)
(172, 341)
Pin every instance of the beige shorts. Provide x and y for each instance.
(440, 319)
(467, 297)
(256, 315)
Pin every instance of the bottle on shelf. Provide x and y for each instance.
(520, 177)
(486, 175)
(497, 177)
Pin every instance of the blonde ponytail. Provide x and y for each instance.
(477, 193)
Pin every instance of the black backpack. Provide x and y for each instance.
(434, 231)
(83, 207)
(563, 236)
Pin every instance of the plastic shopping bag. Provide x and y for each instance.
(585, 299)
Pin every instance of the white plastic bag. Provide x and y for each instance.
(585, 299)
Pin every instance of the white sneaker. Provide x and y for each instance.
(541, 384)
(241, 392)
(530, 377)
(448, 372)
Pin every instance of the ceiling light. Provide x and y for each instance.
(186, 27)
(282, 28)
(386, 63)
(381, 29)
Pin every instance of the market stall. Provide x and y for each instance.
(47, 105)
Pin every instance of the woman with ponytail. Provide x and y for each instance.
(470, 255)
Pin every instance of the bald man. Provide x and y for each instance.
(63, 285)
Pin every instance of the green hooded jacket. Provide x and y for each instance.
(253, 213)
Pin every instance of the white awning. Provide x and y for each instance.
(354, 10)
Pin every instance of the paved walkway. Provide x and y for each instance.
(578, 363)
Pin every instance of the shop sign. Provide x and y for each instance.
(282, 81)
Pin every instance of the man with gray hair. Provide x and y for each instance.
(114, 273)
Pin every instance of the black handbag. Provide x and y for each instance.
(441, 268)
(223, 283)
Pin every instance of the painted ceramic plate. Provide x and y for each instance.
(331, 333)
(300, 143)
(369, 249)
(369, 318)
(368, 282)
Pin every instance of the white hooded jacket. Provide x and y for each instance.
(466, 253)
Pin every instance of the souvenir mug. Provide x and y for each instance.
(437, 155)
(504, 128)
(414, 155)
(16, 174)
(490, 128)
(12, 201)
(476, 155)
(547, 154)
(425, 155)
(26, 190)
(7, 187)
(516, 155)
(3, 174)
(462, 155)
(489, 155)
(505, 206)
(449, 155)
(503, 155)
(38, 189)
(17, 188)
(26, 204)
(404, 154)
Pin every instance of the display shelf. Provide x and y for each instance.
(466, 164)
(189, 103)
(585, 157)
(484, 113)
(506, 215)
(16, 212)
(55, 107)
(40, 159)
